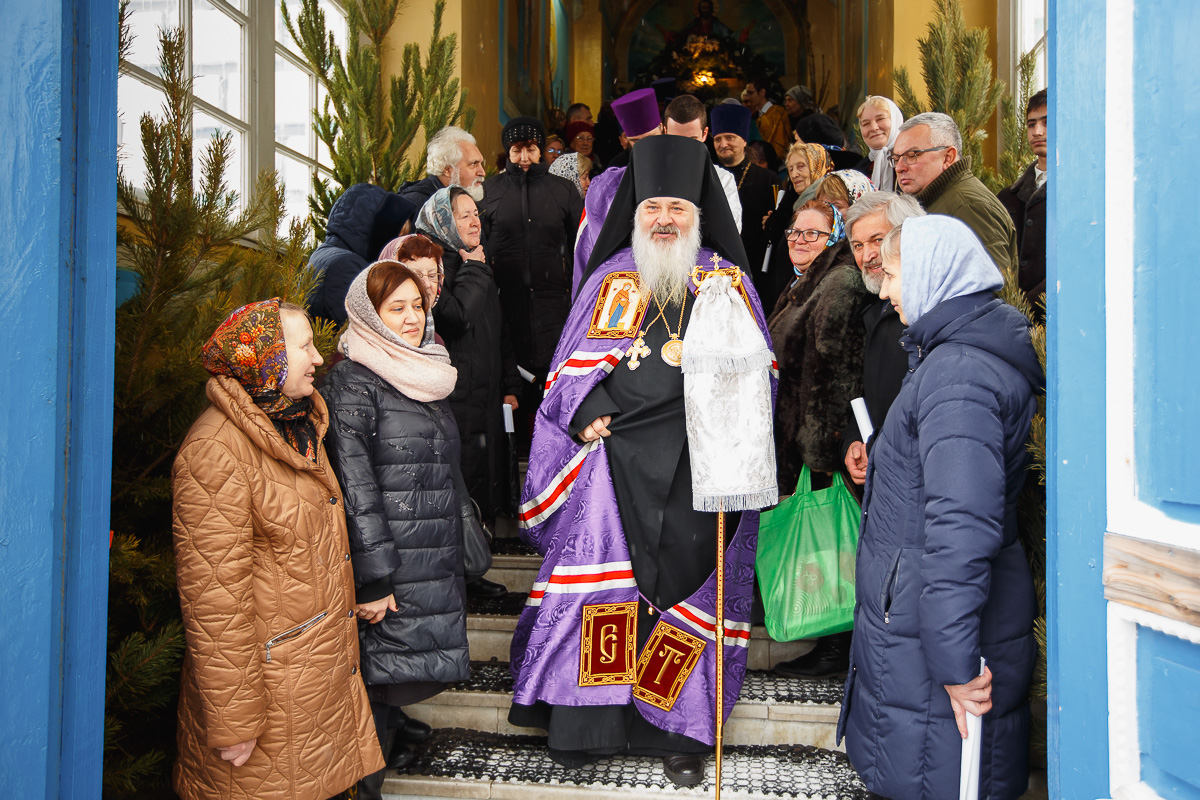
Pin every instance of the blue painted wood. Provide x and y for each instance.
(1169, 714)
(1076, 650)
(57, 197)
(1167, 383)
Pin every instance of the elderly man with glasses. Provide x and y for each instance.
(929, 165)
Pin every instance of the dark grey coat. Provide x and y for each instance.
(394, 458)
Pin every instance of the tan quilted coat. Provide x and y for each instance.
(267, 593)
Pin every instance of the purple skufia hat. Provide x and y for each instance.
(637, 111)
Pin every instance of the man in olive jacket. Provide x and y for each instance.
(929, 166)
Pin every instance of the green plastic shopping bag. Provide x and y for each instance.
(806, 550)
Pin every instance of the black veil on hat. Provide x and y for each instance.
(669, 166)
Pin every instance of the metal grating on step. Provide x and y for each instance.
(511, 547)
(760, 686)
(508, 604)
(767, 771)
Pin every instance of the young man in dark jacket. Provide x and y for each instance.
(1026, 202)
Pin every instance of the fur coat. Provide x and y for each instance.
(818, 338)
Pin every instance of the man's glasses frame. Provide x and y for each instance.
(911, 156)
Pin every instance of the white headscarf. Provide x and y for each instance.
(941, 258)
(883, 175)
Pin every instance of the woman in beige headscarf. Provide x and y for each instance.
(806, 164)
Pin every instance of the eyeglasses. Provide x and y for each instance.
(584, 138)
(554, 151)
(911, 156)
(811, 235)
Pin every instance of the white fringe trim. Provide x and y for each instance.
(713, 362)
(746, 501)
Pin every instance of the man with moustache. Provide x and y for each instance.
(884, 361)
(608, 500)
(1026, 203)
(884, 366)
(452, 159)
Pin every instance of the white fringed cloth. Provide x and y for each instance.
(727, 402)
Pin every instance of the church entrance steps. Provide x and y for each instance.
(492, 620)
(470, 764)
(770, 711)
(514, 564)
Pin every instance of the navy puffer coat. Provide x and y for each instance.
(942, 578)
(393, 456)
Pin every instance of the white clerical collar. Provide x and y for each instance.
(766, 105)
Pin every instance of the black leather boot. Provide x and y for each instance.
(684, 769)
(830, 657)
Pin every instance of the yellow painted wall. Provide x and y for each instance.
(909, 21)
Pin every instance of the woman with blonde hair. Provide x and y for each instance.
(879, 120)
(265, 584)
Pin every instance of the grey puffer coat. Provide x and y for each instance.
(941, 575)
(394, 458)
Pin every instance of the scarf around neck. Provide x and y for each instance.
(421, 373)
(883, 174)
(249, 347)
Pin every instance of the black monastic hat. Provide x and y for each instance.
(670, 166)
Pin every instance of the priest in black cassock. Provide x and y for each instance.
(610, 456)
(755, 186)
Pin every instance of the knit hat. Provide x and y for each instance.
(801, 95)
(637, 112)
(728, 118)
(524, 129)
(575, 128)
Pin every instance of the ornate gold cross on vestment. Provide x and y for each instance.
(636, 352)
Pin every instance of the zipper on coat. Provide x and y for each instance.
(891, 590)
(292, 633)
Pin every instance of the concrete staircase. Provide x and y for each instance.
(779, 741)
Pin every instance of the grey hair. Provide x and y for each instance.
(895, 207)
(445, 149)
(889, 248)
(943, 132)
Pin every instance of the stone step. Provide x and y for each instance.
(770, 711)
(492, 620)
(463, 763)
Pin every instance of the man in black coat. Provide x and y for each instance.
(1026, 202)
(453, 159)
(755, 185)
(884, 366)
(361, 222)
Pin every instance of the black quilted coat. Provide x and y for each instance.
(392, 456)
(529, 224)
(362, 221)
(467, 317)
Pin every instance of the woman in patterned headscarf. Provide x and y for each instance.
(271, 639)
(807, 164)
(818, 337)
(467, 317)
(842, 188)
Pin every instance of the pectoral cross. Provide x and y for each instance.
(636, 352)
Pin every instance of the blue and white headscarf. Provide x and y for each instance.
(437, 217)
(839, 227)
(941, 258)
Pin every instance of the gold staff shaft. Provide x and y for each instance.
(720, 632)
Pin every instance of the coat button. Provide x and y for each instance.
(354, 670)
(347, 556)
(333, 501)
(1028, 222)
(350, 613)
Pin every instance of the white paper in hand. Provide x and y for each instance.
(508, 420)
(863, 418)
(968, 776)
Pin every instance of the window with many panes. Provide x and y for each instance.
(248, 79)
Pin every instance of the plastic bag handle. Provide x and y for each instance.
(804, 483)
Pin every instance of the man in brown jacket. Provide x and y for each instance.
(929, 165)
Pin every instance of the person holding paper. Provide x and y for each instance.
(884, 361)
(941, 576)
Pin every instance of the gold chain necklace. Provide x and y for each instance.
(672, 350)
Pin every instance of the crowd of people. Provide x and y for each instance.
(577, 298)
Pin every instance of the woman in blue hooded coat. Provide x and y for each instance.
(942, 579)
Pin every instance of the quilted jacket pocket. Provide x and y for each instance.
(293, 633)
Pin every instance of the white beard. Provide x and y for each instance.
(475, 189)
(873, 282)
(665, 267)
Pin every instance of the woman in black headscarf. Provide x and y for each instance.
(530, 219)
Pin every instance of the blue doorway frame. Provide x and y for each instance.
(57, 287)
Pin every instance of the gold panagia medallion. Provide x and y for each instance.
(672, 351)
